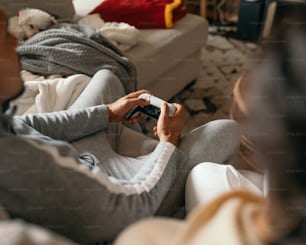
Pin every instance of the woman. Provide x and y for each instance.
(277, 126)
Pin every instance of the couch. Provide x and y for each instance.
(169, 59)
(166, 59)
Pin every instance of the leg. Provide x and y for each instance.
(216, 141)
(135, 144)
(208, 180)
(113, 164)
(103, 88)
(133, 151)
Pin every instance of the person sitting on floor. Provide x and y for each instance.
(277, 125)
(84, 175)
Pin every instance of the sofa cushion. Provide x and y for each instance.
(159, 50)
(176, 78)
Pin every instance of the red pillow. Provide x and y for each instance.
(142, 13)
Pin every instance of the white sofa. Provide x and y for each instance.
(166, 59)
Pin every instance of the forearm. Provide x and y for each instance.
(70, 124)
(77, 203)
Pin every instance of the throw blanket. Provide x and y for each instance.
(122, 35)
(74, 49)
(142, 13)
(49, 94)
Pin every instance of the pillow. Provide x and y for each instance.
(142, 13)
(61, 8)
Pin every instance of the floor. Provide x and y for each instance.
(224, 59)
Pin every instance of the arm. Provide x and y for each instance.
(68, 125)
(83, 205)
(76, 123)
(52, 190)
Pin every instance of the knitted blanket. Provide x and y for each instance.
(73, 49)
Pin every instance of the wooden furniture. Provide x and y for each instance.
(205, 5)
(208, 8)
(203, 8)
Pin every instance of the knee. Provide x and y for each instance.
(231, 126)
(229, 131)
(104, 73)
(108, 84)
(225, 134)
(205, 181)
(226, 128)
(216, 141)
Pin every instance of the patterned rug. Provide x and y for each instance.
(224, 61)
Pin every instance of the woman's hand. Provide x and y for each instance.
(168, 129)
(118, 109)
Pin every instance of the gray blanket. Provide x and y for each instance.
(73, 48)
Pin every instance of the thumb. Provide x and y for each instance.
(164, 110)
(137, 101)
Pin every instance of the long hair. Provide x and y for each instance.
(277, 117)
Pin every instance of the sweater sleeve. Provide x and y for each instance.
(53, 191)
(70, 124)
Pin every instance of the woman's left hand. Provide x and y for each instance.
(117, 110)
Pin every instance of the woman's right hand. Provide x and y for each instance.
(168, 129)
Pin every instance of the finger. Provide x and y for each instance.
(137, 118)
(179, 108)
(141, 116)
(137, 93)
(155, 131)
(164, 110)
(137, 101)
(133, 120)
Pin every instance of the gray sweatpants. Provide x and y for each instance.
(122, 151)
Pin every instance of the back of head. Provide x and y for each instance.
(277, 117)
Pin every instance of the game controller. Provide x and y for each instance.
(153, 109)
